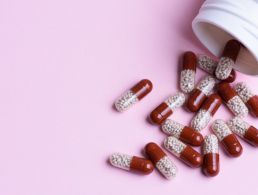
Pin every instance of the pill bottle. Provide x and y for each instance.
(221, 20)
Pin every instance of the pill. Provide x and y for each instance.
(211, 155)
(205, 114)
(184, 152)
(166, 108)
(184, 133)
(200, 93)
(244, 130)
(233, 101)
(187, 77)
(225, 136)
(250, 99)
(160, 160)
(209, 65)
(226, 62)
(135, 94)
(131, 163)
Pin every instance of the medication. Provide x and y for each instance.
(200, 93)
(248, 97)
(135, 94)
(205, 114)
(166, 108)
(227, 60)
(227, 138)
(184, 152)
(244, 130)
(187, 76)
(233, 101)
(131, 163)
(161, 161)
(211, 155)
(184, 133)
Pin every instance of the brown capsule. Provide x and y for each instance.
(232, 49)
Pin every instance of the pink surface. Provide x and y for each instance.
(63, 63)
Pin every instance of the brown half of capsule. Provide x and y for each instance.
(154, 152)
(251, 136)
(191, 157)
(232, 77)
(190, 136)
(212, 103)
(141, 165)
(211, 164)
(232, 145)
(225, 91)
(189, 61)
(231, 49)
(195, 100)
(252, 104)
(160, 113)
(142, 88)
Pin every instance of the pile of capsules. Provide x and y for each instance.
(204, 99)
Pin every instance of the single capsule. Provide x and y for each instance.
(135, 94)
(187, 77)
(131, 163)
(207, 111)
(184, 152)
(244, 130)
(200, 93)
(166, 108)
(227, 138)
(233, 101)
(161, 161)
(211, 155)
(184, 133)
(248, 97)
(228, 59)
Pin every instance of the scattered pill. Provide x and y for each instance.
(184, 152)
(133, 95)
(161, 161)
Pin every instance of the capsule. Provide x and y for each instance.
(187, 77)
(228, 59)
(161, 161)
(227, 138)
(243, 129)
(135, 94)
(233, 101)
(250, 99)
(205, 114)
(166, 108)
(131, 163)
(184, 133)
(211, 155)
(200, 93)
(184, 152)
(209, 65)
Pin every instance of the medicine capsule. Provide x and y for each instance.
(184, 133)
(205, 114)
(184, 152)
(244, 130)
(135, 94)
(248, 97)
(228, 59)
(166, 108)
(200, 93)
(187, 77)
(131, 163)
(227, 138)
(233, 101)
(211, 155)
(161, 161)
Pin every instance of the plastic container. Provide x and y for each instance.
(221, 20)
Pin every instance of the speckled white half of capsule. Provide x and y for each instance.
(206, 63)
(220, 129)
(122, 161)
(238, 126)
(187, 80)
(201, 120)
(166, 167)
(224, 68)
(175, 101)
(172, 127)
(174, 145)
(206, 85)
(237, 106)
(124, 102)
(210, 144)
(243, 91)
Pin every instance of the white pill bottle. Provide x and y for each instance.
(221, 20)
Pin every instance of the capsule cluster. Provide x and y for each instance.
(203, 99)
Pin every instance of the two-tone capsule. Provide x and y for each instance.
(184, 133)
(187, 76)
(133, 95)
(166, 108)
(200, 93)
(244, 130)
(227, 138)
(131, 163)
(161, 161)
(184, 152)
(211, 155)
(207, 111)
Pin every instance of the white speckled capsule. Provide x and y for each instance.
(206, 63)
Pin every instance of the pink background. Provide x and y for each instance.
(63, 63)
